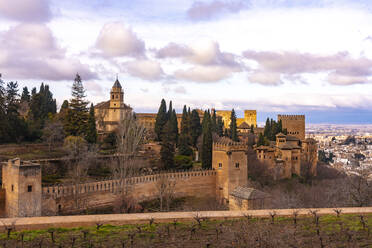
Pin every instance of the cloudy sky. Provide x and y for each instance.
(310, 57)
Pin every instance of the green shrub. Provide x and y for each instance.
(182, 162)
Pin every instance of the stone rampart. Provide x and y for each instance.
(59, 198)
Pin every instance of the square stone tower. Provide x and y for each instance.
(250, 117)
(22, 184)
(295, 125)
(231, 164)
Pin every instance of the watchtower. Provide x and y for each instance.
(295, 125)
(250, 117)
(230, 162)
(22, 184)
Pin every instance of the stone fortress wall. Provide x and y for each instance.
(60, 199)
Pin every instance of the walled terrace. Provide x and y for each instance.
(34, 223)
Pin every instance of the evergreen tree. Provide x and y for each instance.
(195, 127)
(167, 147)
(17, 128)
(252, 129)
(185, 135)
(220, 126)
(64, 106)
(161, 119)
(214, 122)
(91, 134)
(206, 153)
(233, 126)
(25, 95)
(174, 126)
(3, 121)
(261, 140)
(77, 114)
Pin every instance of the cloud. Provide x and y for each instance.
(344, 69)
(26, 10)
(117, 40)
(203, 11)
(180, 90)
(265, 78)
(202, 53)
(30, 51)
(173, 50)
(204, 74)
(145, 69)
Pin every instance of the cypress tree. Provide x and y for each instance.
(252, 128)
(167, 147)
(233, 127)
(77, 114)
(206, 153)
(195, 127)
(220, 126)
(174, 126)
(161, 119)
(214, 121)
(185, 139)
(25, 95)
(91, 134)
(64, 106)
(261, 140)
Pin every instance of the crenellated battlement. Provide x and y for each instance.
(291, 117)
(226, 144)
(113, 185)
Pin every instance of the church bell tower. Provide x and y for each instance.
(116, 95)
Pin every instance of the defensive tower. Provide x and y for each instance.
(230, 162)
(22, 184)
(295, 125)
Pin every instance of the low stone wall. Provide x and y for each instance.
(34, 223)
(96, 194)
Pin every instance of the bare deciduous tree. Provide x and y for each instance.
(360, 188)
(53, 133)
(80, 157)
(165, 188)
(129, 138)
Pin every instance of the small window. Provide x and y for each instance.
(220, 165)
(117, 96)
(29, 188)
(113, 96)
(237, 165)
(12, 187)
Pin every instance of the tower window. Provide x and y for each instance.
(237, 165)
(113, 96)
(220, 165)
(117, 96)
(12, 187)
(29, 188)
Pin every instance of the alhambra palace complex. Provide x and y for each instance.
(226, 181)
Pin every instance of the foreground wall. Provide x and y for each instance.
(62, 199)
(164, 217)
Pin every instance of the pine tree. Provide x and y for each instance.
(3, 121)
(17, 128)
(91, 134)
(195, 127)
(77, 114)
(25, 95)
(233, 126)
(206, 153)
(167, 147)
(161, 119)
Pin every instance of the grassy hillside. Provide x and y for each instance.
(315, 231)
